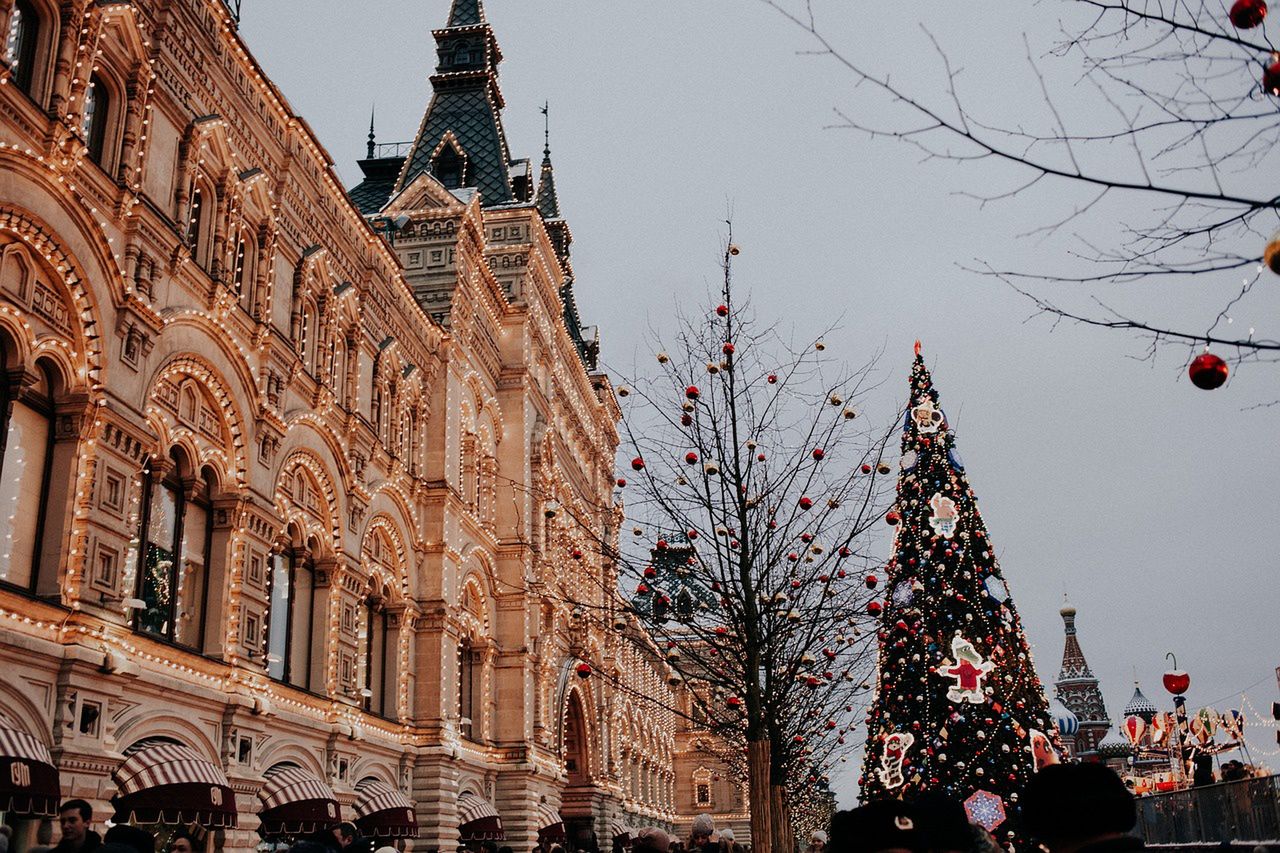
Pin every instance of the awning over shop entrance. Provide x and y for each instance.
(296, 802)
(620, 831)
(384, 812)
(164, 782)
(552, 827)
(478, 820)
(28, 777)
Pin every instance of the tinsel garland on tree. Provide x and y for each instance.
(958, 706)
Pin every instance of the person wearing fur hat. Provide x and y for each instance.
(880, 826)
(700, 833)
(817, 842)
(651, 840)
(1080, 808)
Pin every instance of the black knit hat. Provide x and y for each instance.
(875, 826)
(1076, 802)
(943, 822)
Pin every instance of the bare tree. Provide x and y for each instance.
(1184, 121)
(753, 485)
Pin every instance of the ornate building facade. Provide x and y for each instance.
(288, 472)
(1077, 688)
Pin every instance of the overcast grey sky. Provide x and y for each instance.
(1150, 502)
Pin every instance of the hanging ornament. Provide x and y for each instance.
(806, 503)
(943, 520)
(1271, 254)
(773, 379)
(996, 588)
(1207, 371)
(723, 310)
(624, 391)
(691, 458)
(584, 670)
(1233, 724)
(1160, 728)
(692, 392)
(927, 417)
(818, 454)
(1247, 14)
(663, 358)
(985, 809)
(1271, 77)
(1176, 681)
(969, 672)
(892, 517)
(891, 760)
(622, 482)
(727, 349)
(637, 464)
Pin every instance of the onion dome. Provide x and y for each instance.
(1114, 745)
(1067, 722)
(1067, 610)
(1139, 705)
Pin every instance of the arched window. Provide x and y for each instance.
(27, 437)
(97, 112)
(469, 672)
(242, 263)
(290, 624)
(379, 650)
(21, 43)
(449, 167)
(176, 532)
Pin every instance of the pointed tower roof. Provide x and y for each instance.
(466, 13)
(461, 139)
(1140, 705)
(1074, 666)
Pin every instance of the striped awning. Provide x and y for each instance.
(29, 785)
(478, 820)
(551, 827)
(620, 831)
(167, 783)
(384, 812)
(296, 802)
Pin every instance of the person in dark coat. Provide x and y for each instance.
(1080, 808)
(880, 826)
(75, 817)
(123, 838)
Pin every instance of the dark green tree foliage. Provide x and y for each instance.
(958, 705)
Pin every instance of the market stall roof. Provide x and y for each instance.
(164, 782)
(296, 802)
(29, 785)
(478, 820)
(384, 812)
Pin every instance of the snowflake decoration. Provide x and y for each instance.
(985, 809)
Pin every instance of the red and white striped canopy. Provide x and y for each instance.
(478, 820)
(295, 802)
(29, 785)
(384, 812)
(165, 782)
(550, 826)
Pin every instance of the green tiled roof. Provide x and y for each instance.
(478, 129)
(466, 13)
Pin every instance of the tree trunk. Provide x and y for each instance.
(758, 763)
(781, 816)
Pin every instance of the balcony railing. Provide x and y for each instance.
(1247, 810)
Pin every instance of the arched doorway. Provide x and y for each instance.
(579, 794)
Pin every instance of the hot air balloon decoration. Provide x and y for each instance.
(1134, 728)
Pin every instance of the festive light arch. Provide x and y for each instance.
(384, 525)
(327, 529)
(231, 467)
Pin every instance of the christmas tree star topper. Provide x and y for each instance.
(968, 672)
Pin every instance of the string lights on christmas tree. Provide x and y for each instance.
(959, 707)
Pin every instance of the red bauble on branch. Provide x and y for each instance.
(584, 670)
(1271, 77)
(637, 464)
(1247, 14)
(691, 458)
(1208, 371)
(692, 392)
(722, 310)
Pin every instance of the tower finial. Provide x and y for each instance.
(546, 129)
(917, 346)
(372, 111)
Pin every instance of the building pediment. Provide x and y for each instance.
(423, 193)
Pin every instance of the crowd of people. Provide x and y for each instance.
(1066, 808)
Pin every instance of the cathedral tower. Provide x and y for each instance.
(1077, 688)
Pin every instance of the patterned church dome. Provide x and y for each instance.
(1139, 705)
(1114, 745)
(1067, 722)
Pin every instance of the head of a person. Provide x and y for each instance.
(651, 840)
(818, 840)
(389, 849)
(728, 843)
(130, 837)
(700, 833)
(345, 833)
(489, 847)
(1066, 806)
(880, 826)
(75, 816)
(184, 842)
(943, 823)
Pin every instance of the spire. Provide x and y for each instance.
(548, 202)
(1074, 666)
(372, 144)
(1078, 689)
(466, 13)
(461, 140)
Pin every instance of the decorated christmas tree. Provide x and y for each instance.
(958, 707)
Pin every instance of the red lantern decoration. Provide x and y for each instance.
(1271, 79)
(818, 454)
(637, 464)
(1247, 14)
(1207, 370)
(1176, 681)
(892, 517)
(584, 670)
(691, 458)
(806, 503)
(692, 392)
(722, 310)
